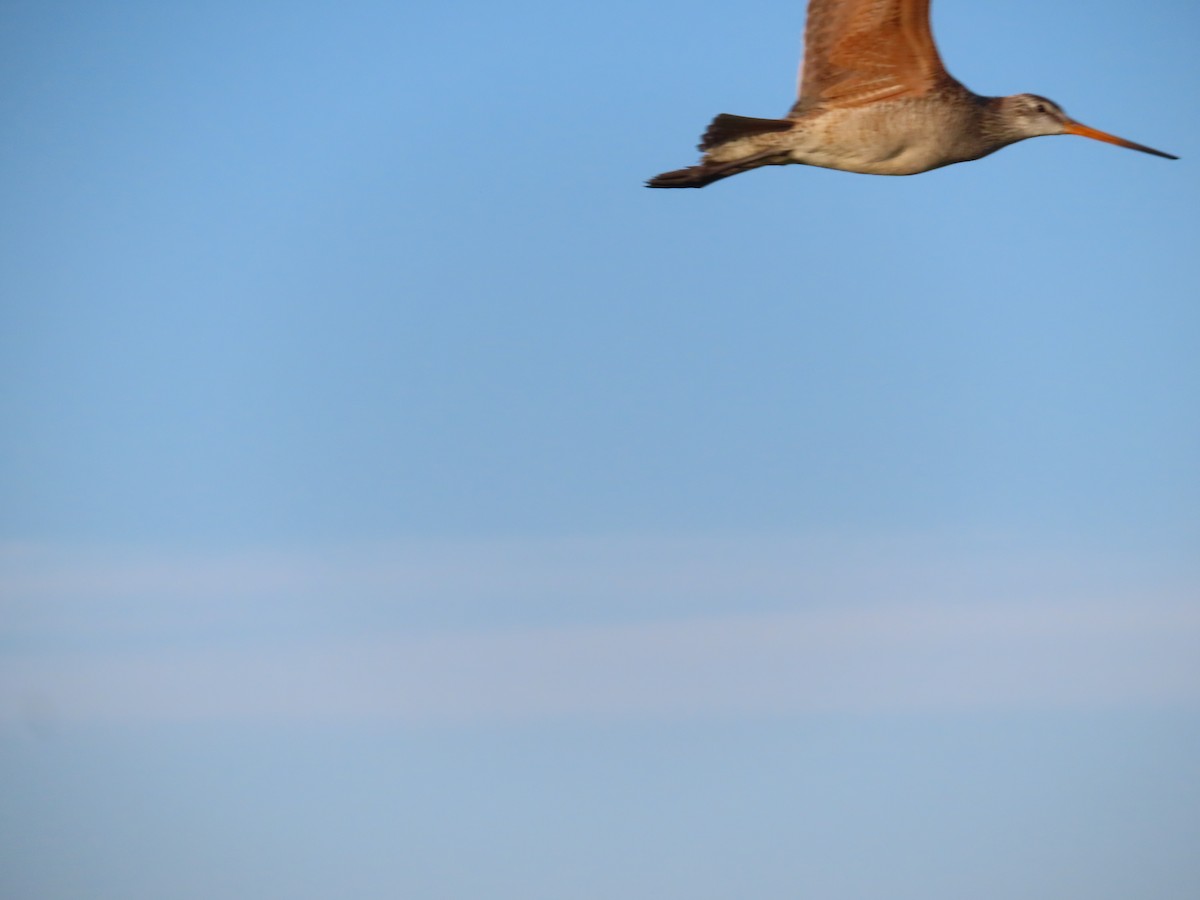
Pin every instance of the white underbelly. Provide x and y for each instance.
(903, 159)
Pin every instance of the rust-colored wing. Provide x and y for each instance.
(860, 51)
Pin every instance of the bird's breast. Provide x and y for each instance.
(900, 137)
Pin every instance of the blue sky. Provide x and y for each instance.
(399, 500)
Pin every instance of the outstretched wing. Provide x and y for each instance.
(861, 51)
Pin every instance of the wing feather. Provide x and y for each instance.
(862, 51)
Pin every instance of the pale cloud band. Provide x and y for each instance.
(897, 639)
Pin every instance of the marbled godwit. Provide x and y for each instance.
(875, 98)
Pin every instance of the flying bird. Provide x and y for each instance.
(875, 98)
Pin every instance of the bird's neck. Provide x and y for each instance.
(996, 121)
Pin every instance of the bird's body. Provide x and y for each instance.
(901, 136)
(876, 99)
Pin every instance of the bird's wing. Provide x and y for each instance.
(860, 51)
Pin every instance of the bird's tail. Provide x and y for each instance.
(726, 127)
(723, 129)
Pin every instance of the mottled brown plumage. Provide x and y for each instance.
(863, 51)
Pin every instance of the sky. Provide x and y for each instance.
(399, 500)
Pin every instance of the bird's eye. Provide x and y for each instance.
(1041, 108)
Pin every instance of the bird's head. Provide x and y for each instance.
(1028, 115)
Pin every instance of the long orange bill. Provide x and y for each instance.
(1084, 131)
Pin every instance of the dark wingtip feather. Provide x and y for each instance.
(691, 177)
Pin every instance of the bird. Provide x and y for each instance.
(875, 98)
